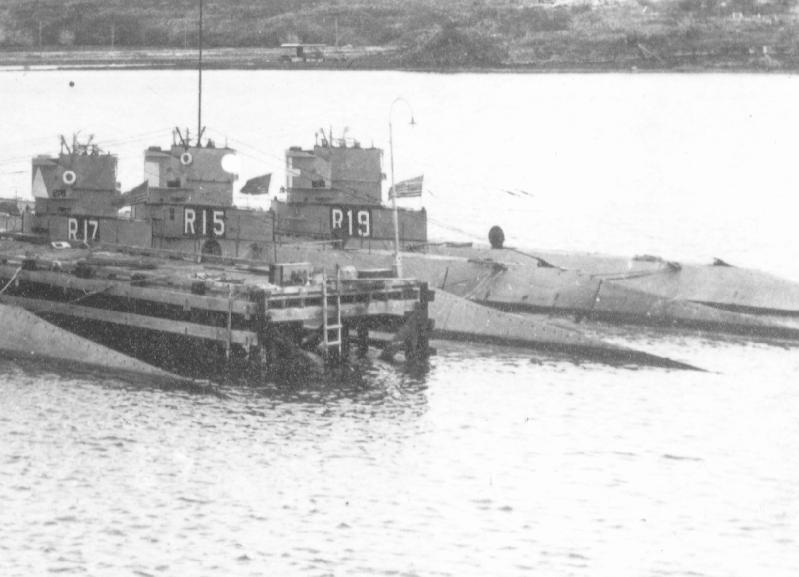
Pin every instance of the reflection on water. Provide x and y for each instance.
(488, 461)
(362, 380)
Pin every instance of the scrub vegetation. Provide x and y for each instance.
(434, 34)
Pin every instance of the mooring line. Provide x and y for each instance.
(13, 278)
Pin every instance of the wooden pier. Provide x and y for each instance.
(201, 318)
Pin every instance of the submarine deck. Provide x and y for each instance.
(233, 309)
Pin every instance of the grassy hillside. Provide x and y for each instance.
(657, 34)
(173, 23)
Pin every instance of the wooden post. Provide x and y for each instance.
(411, 343)
(345, 341)
(276, 223)
(260, 327)
(229, 343)
(238, 233)
(425, 297)
(363, 339)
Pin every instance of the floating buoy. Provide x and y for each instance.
(69, 177)
(186, 158)
(496, 237)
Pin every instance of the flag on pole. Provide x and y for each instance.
(257, 185)
(140, 193)
(136, 195)
(407, 188)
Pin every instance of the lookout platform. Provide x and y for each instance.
(206, 316)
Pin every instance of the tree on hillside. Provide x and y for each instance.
(450, 45)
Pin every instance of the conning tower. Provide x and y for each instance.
(187, 198)
(80, 180)
(334, 191)
(334, 172)
(186, 174)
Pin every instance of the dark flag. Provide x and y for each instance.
(257, 185)
(408, 188)
(136, 195)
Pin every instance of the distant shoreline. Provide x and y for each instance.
(360, 59)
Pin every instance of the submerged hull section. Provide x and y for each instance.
(34, 337)
(723, 287)
(458, 318)
(717, 285)
(523, 283)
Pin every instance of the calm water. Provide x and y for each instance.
(493, 461)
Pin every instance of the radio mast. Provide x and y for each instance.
(200, 79)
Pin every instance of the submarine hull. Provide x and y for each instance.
(656, 294)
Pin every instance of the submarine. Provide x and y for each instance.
(333, 216)
(332, 220)
(335, 213)
(640, 290)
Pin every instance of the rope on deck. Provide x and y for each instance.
(13, 278)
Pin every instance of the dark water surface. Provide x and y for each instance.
(491, 462)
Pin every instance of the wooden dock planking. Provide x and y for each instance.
(315, 314)
(231, 304)
(118, 288)
(282, 307)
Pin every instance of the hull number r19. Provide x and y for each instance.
(350, 221)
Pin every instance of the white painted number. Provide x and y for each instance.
(203, 222)
(219, 223)
(72, 229)
(363, 223)
(352, 222)
(92, 225)
(83, 229)
(336, 217)
(189, 216)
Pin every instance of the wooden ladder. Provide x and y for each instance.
(332, 325)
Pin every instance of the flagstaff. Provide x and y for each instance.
(200, 78)
(392, 191)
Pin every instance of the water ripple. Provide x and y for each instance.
(486, 463)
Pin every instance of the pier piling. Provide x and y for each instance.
(213, 316)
